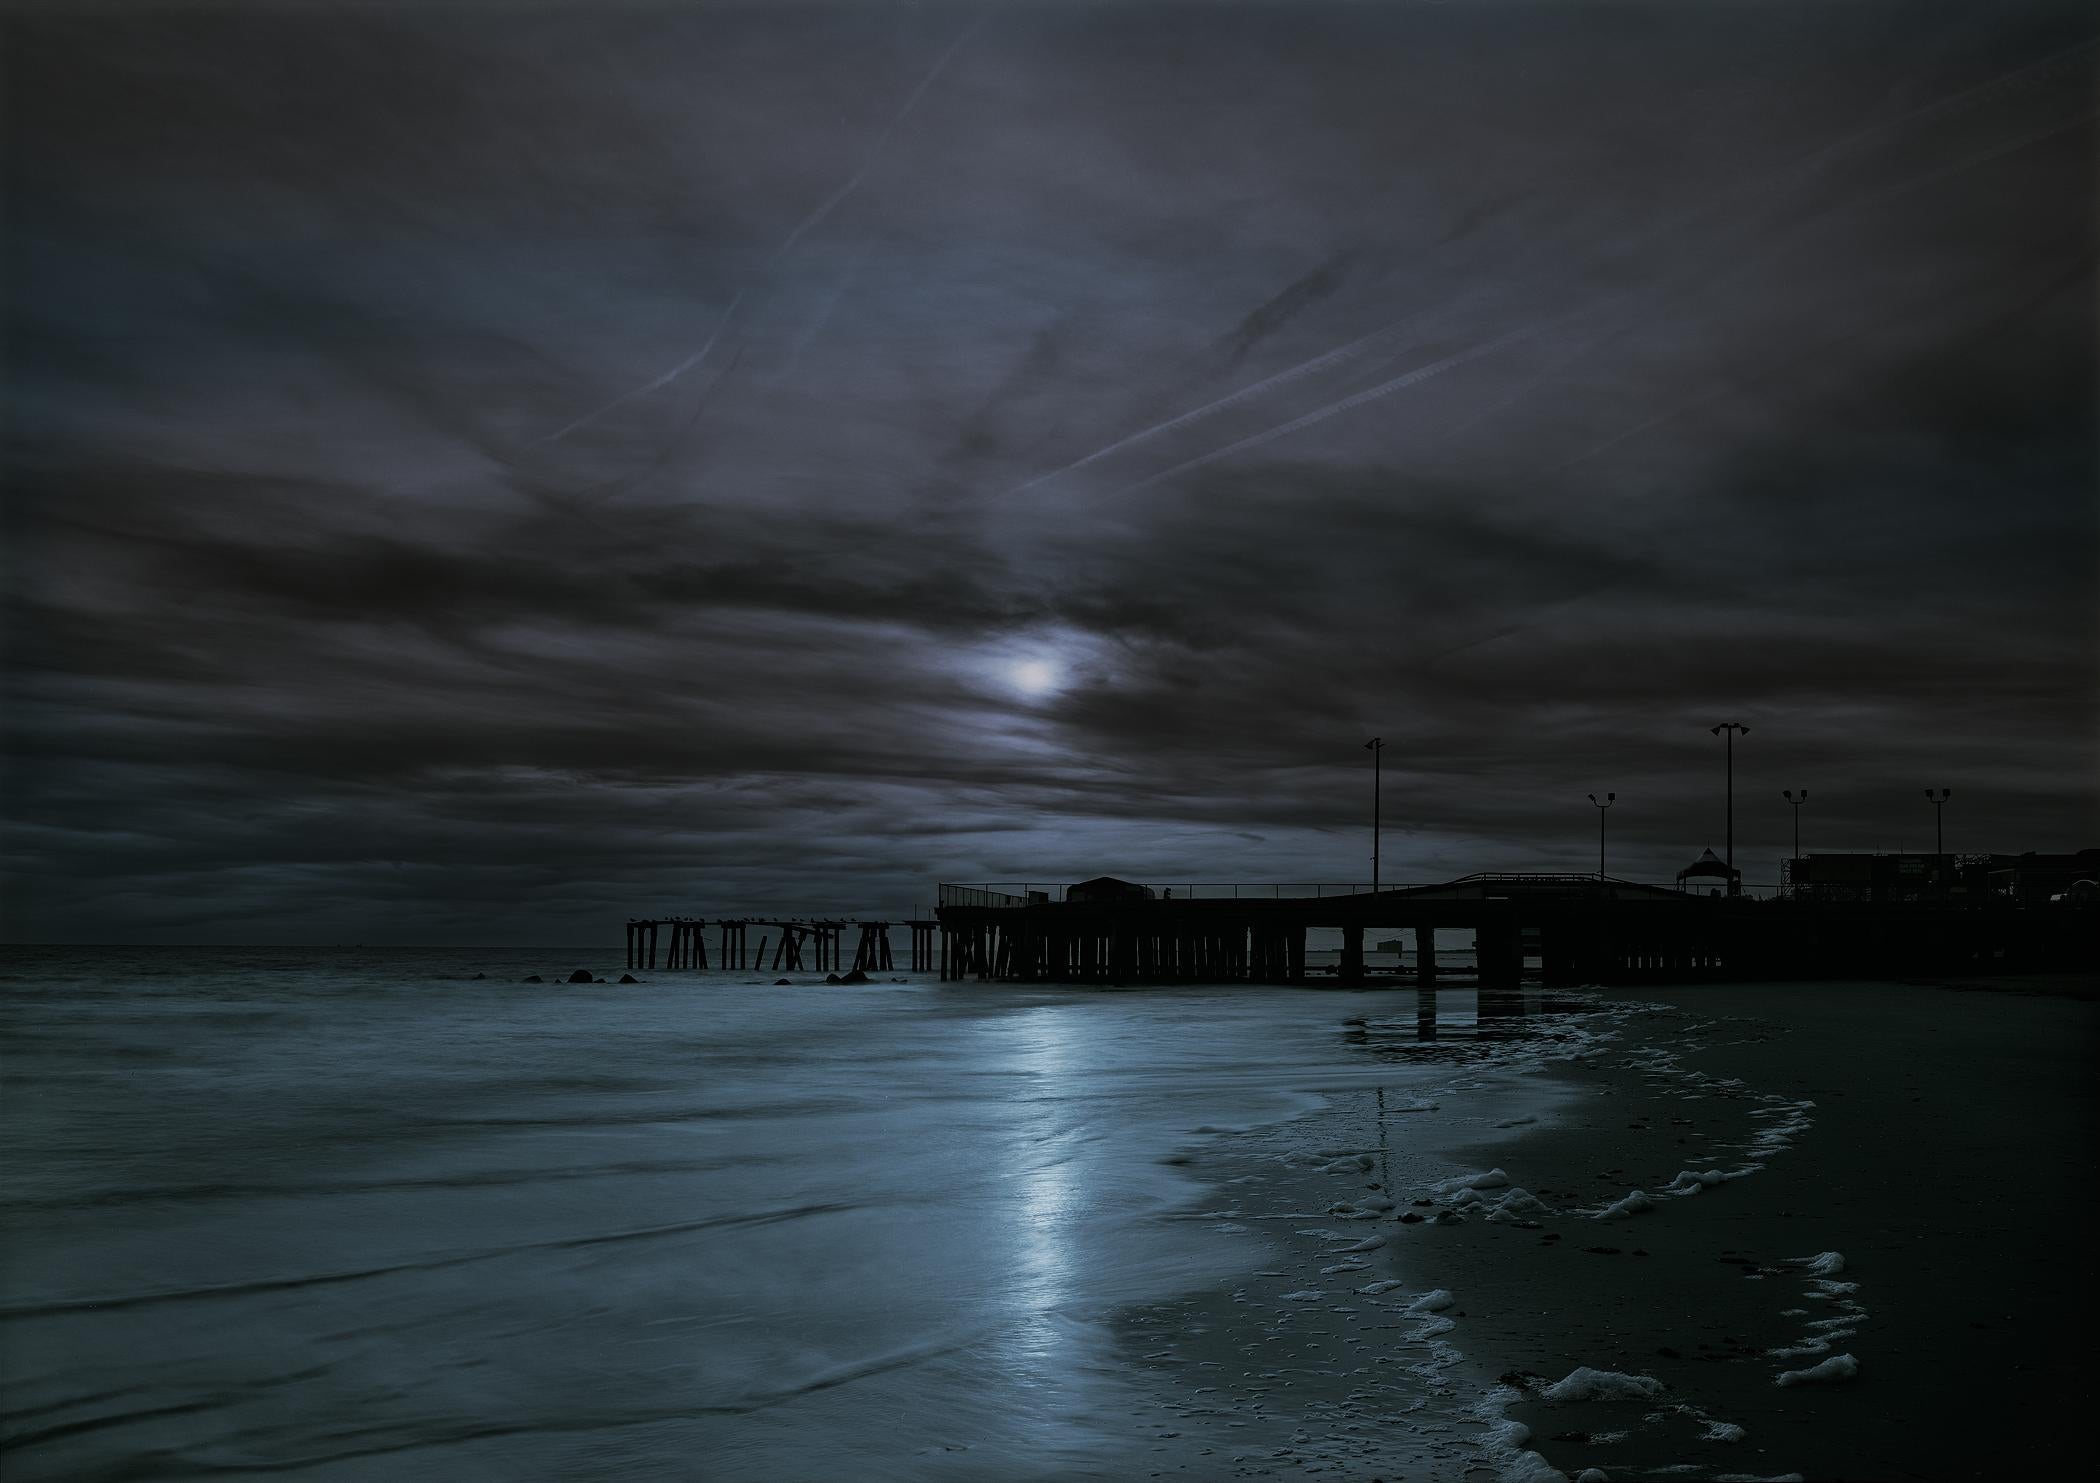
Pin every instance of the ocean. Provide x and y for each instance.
(395, 1213)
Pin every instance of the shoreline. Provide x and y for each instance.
(1907, 1192)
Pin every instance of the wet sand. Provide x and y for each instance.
(1945, 1159)
(1949, 1160)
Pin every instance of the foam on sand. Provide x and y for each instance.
(1633, 1202)
(1492, 1179)
(1518, 1206)
(1431, 1302)
(1691, 1181)
(1837, 1367)
(1586, 1384)
(1822, 1264)
(1503, 1442)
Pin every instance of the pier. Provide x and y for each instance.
(1556, 930)
(793, 944)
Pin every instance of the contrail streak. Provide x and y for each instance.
(1369, 394)
(807, 225)
(657, 385)
(1339, 356)
(1792, 174)
(819, 320)
(1526, 332)
(832, 202)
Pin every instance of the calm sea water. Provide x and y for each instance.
(360, 1215)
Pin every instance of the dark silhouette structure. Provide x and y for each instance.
(1376, 747)
(1581, 929)
(1609, 800)
(1939, 838)
(1710, 866)
(799, 944)
(1107, 888)
(1729, 729)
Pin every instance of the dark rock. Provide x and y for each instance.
(1410, 1219)
(1422, 1202)
(481, 975)
(628, 978)
(780, 982)
(1602, 1250)
(535, 979)
(580, 976)
(854, 976)
(831, 978)
(1668, 1353)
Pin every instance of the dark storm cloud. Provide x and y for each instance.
(495, 468)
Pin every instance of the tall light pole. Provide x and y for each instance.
(1375, 746)
(1939, 845)
(1788, 795)
(1609, 800)
(1731, 728)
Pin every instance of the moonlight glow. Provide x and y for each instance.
(1035, 677)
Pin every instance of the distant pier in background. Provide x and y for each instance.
(796, 944)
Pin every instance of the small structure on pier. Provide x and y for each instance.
(1710, 866)
(1107, 888)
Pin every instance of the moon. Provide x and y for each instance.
(1035, 676)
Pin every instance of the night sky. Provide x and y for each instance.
(478, 472)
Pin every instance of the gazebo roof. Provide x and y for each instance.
(1708, 863)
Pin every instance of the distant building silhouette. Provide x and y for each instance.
(2035, 879)
(1107, 888)
(2031, 879)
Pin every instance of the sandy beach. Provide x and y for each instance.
(1883, 1280)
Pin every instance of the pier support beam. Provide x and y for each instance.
(1497, 950)
(1425, 957)
(1352, 955)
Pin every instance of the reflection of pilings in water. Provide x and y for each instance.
(1425, 1014)
(1494, 1010)
(1385, 1168)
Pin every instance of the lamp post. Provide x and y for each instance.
(1375, 746)
(1609, 800)
(1939, 846)
(1788, 795)
(1731, 728)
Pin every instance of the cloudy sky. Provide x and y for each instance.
(477, 472)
